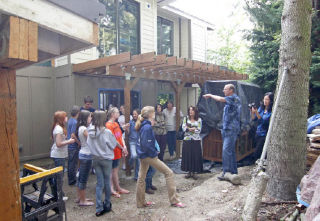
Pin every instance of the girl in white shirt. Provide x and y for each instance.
(85, 157)
(59, 149)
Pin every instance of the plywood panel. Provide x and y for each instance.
(63, 93)
(23, 115)
(41, 105)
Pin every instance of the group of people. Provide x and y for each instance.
(95, 138)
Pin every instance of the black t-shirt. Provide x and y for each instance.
(91, 109)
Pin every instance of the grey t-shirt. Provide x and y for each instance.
(101, 142)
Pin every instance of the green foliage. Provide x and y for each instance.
(230, 52)
(163, 98)
(265, 38)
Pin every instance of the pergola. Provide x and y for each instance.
(177, 71)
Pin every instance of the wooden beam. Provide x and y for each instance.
(178, 90)
(14, 37)
(52, 17)
(33, 41)
(10, 209)
(127, 105)
(102, 62)
(23, 39)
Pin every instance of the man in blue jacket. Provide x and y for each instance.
(231, 128)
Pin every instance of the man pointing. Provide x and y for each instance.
(231, 128)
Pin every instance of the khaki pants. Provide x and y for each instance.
(161, 167)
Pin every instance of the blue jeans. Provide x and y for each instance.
(171, 140)
(134, 158)
(149, 176)
(57, 163)
(73, 156)
(84, 170)
(103, 170)
(150, 173)
(229, 161)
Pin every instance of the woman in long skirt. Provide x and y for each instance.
(191, 150)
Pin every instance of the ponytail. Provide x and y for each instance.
(145, 114)
(138, 122)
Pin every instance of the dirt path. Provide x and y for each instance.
(206, 199)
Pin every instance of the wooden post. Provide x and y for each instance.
(178, 89)
(10, 208)
(127, 106)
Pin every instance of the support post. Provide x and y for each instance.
(178, 89)
(10, 209)
(129, 84)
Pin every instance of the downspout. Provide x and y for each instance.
(189, 40)
(180, 37)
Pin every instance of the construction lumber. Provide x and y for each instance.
(52, 17)
(257, 187)
(10, 208)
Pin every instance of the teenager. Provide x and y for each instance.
(73, 149)
(148, 155)
(101, 143)
(85, 157)
(59, 149)
(121, 149)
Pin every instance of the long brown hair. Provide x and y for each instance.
(145, 114)
(99, 119)
(196, 112)
(58, 119)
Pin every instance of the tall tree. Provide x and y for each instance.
(286, 153)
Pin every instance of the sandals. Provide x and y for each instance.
(149, 203)
(87, 199)
(179, 205)
(123, 191)
(87, 203)
(116, 194)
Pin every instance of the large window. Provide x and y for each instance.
(120, 28)
(115, 97)
(165, 36)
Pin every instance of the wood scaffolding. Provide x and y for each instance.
(177, 71)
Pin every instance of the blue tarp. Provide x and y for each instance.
(313, 122)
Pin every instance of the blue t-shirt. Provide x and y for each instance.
(231, 113)
(133, 135)
(263, 122)
(72, 126)
(91, 109)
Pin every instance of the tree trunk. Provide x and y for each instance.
(286, 153)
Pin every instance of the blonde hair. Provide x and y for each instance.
(111, 111)
(145, 114)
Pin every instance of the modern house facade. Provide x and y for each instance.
(136, 26)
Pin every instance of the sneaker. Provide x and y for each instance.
(149, 191)
(65, 198)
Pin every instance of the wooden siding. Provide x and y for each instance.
(199, 41)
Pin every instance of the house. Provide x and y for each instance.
(140, 27)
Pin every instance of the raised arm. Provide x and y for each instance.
(215, 97)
